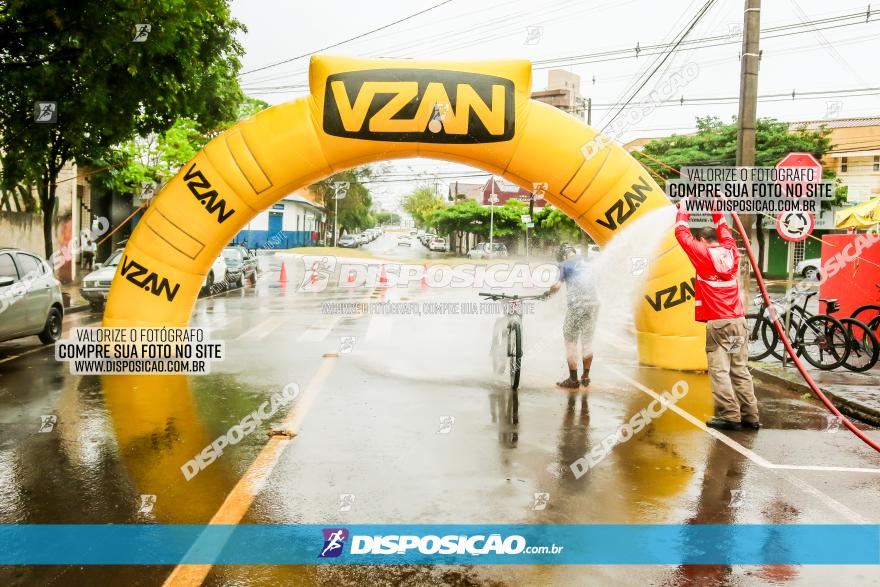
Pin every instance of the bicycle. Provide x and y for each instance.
(507, 338)
(820, 338)
(869, 314)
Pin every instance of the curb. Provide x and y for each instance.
(841, 402)
(75, 309)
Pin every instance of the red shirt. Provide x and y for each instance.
(717, 290)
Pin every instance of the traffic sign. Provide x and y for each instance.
(801, 160)
(795, 226)
(526, 218)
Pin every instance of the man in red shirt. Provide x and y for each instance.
(714, 255)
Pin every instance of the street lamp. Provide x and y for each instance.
(340, 188)
(493, 199)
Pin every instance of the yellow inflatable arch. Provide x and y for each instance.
(361, 111)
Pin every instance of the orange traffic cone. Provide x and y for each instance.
(383, 277)
(350, 279)
(283, 277)
(423, 284)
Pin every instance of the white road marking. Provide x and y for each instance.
(319, 331)
(761, 461)
(254, 332)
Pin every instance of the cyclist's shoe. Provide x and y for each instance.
(569, 383)
(585, 380)
(751, 425)
(723, 424)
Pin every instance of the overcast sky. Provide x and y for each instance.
(839, 58)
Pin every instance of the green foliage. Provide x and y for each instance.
(714, 143)
(553, 226)
(420, 203)
(354, 209)
(392, 218)
(108, 89)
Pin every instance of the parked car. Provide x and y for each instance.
(438, 243)
(809, 268)
(348, 242)
(241, 264)
(96, 285)
(404, 241)
(218, 273)
(425, 239)
(481, 251)
(30, 297)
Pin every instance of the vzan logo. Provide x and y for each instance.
(673, 295)
(621, 210)
(146, 279)
(209, 198)
(399, 104)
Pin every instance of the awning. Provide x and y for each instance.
(863, 215)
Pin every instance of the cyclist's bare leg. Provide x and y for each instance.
(571, 356)
(588, 362)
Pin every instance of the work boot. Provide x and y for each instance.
(585, 380)
(723, 424)
(569, 383)
(751, 425)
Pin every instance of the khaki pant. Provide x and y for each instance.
(727, 349)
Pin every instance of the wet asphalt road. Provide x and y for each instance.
(413, 424)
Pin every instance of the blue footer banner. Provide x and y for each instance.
(370, 544)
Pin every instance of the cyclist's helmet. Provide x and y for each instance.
(564, 251)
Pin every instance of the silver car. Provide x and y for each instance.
(30, 297)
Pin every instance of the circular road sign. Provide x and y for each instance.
(795, 226)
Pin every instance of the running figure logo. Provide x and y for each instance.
(334, 541)
(317, 273)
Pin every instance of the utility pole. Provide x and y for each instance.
(748, 104)
(589, 111)
(748, 87)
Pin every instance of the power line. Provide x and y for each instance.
(682, 37)
(370, 32)
(785, 30)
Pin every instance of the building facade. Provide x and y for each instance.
(293, 221)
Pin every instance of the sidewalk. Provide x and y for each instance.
(855, 394)
(73, 301)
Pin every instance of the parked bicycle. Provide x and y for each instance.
(507, 339)
(868, 314)
(821, 339)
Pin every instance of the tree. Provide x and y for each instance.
(392, 218)
(714, 143)
(107, 88)
(553, 226)
(355, 208)
(146, 163)
(421, 202)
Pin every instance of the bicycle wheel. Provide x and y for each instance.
(866, 314)
(863, 346)
(824, 342)
(874, 324)
(514, 351)
(771, 337)
(758, 347)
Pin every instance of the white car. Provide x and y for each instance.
(438, 243)
(96, 285)
(404, 241)
(809, 268)
(30, 297)
(481, 251)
